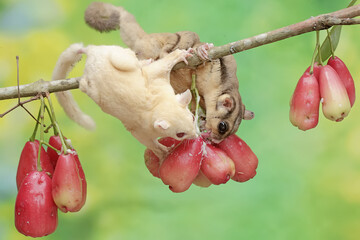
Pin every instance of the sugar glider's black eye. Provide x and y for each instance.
(223, 127)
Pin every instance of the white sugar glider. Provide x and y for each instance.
(216, 80)
(138, 93)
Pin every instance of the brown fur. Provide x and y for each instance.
(216, 80)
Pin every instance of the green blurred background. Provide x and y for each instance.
(308, 183)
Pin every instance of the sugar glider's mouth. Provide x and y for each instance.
(209, 136)
(216, 141)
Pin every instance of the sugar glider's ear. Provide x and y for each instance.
(184, 98)
(226, 101)
(161, 124)
(247, 115)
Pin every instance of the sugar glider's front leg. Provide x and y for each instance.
(162, 68)
(160, 150)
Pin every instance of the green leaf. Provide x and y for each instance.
(335, 38)
(325, 46)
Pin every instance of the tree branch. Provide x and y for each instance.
(40, 86)
(321, 22)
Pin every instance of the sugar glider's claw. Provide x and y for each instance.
(187, 53)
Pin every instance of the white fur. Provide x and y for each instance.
(138, 94)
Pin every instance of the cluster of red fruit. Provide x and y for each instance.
(59, 182)
(332, 85)
(202, 163)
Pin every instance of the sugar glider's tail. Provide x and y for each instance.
(105, 17)
(64, 65)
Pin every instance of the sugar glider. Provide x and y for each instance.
(216, 80)
(136, 92)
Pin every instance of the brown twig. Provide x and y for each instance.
(20, 103)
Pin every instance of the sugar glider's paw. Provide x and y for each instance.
(161, 151)
(186, 54)
(202, 51)
(181, 55)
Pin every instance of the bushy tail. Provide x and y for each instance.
(105, 17)
(63, 66)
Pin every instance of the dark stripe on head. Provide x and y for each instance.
(226, 91)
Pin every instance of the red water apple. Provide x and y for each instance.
(335, 100)
(67, 189)
(29, 160)
(182, 165)
(55, 142)
(216, 165)
(83, 182)
(305, 102)
(243, 157)
(339, 66)
(35, 210)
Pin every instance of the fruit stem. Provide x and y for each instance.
(352, 3)
(42, 110)
(62, 139)
(56, 126)
(52, 120)
(331, 44)
(33, 136)
(49, 146)
(197, 98)
(314, 56)
(318, 46)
